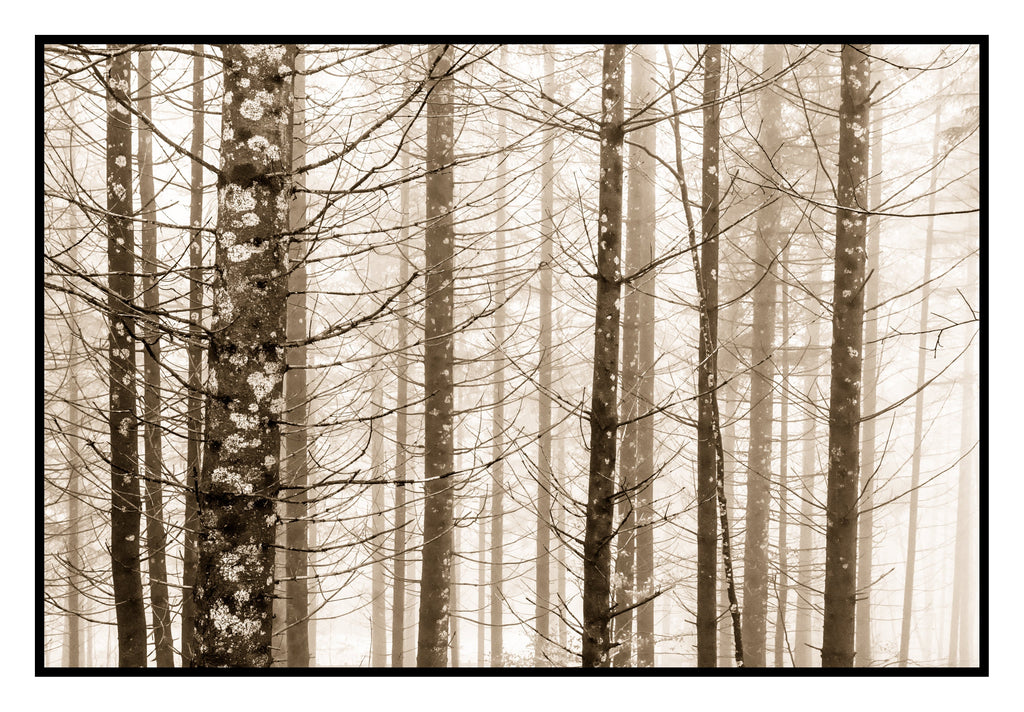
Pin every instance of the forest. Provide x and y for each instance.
(510, 355)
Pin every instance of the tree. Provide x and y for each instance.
(759, 463)
(543, 586)
(707, 532)
(126, 501)
(193, 457)
(241, 469)
(156, 538)
(437, 365)
(295, 463)
(603, 409)
(847, 344)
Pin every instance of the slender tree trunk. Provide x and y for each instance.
(434, 622)
(156, 538)
(759, 468)
(378, 594)
(195, 363)
(296, 466)
(597, 553)
(869, 379)
(126, 501)
(74, 419)
(707, 530)
(241, 472)
(456, 637)
(803, 637)
(642, 207)
(542, 617)
(562, 564)
(398, 607)
(847, 344)
(782, 579)
(959, 626)
(922, 351)
(481, 585)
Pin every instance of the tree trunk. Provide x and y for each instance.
(241, 472)
(296, 459)
(642, 207)
(437, 366)
(603, 413)
(803, 637)
(126, 501)
(707, 369)
(922, 351)
(195, 363)
(782, 578)
(156, 538)
(542, 612)
(74, 419)
(759, 468)
(869, 379)
(378, 594)
(847, 343)
(498, 409)
(398, 606)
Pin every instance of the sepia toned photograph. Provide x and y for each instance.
(413, 357)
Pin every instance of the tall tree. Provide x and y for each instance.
(498, 409)
(296, 458)
(438, 357)
(707, 369)
(869, 379)
(640, 250)
(398, 605)
(378, 596)
(542, 615)
(156, 538)
(759, 463)
(193, 453)
(922, 352)
(241, 470)
(126, 500)
(597, 553)
(782, 576)
(847, 343)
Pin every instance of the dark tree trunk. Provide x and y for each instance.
(195, 363)
(126, 501)
(156, 538)
(847, 344)
(707, 370)
(241, 471)
(542, 614)
(296, 464)
(434, 623)
(378, 594)
(759, 464)
(597, 553)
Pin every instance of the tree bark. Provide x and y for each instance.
(241, 471)
(126, 501)
(156, 538)
(847, 344)
(603, 412)
(707, 370)
(296, 458)
(434, 623)
(869, 379)
(193, 454)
